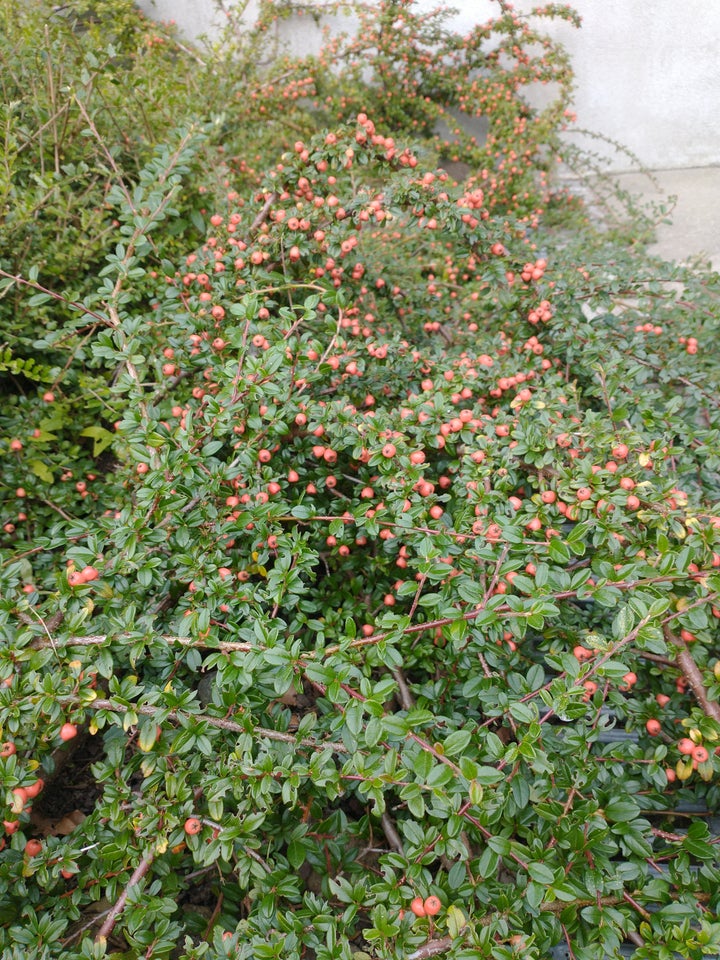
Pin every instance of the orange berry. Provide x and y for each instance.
(33, 848)
(192, 826)
(418, 907)
(653, 727)
(68, 731)
(432, 906)
(34, 789)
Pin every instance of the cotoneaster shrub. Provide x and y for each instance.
(382, 619)
(90, 89)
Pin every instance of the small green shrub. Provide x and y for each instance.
(367, 550)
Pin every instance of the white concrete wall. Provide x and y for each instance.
(648, 73)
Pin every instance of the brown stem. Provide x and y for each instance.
(142, 868)
(262, 215)
(693, 676)
(431, 948)
(222, 724)
(636, 906)
(406, 698)
(391, 834)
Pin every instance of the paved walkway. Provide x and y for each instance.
(695, 227)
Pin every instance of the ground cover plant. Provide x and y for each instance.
(361, 560)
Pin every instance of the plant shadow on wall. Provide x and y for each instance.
(361, 560)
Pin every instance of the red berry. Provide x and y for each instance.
(653, 727)
(33, 848)
(7, 749)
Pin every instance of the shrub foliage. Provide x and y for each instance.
(361, 541)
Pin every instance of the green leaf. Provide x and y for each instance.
(296, 854)
(524, 712)
(541, 873)
(558, 551)
(623, 622)
(456, 742)
(621, 811)
(487, 776)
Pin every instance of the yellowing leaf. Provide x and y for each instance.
(147, 737)
(456, 920)
(129, 720)
(475, 792)
(101, 437)
(41, 471)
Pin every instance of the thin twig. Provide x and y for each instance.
(262, 215)
(55, 296)
(406, 698)
(142, 868)
(86, 926)
(636, 906)
(222, 724)
(391, 834)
